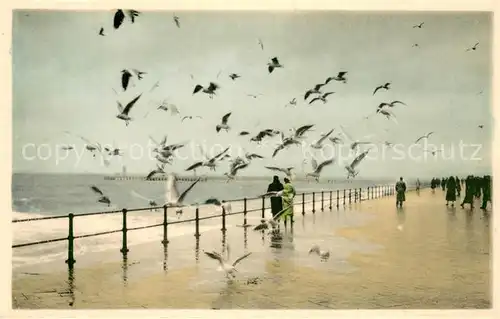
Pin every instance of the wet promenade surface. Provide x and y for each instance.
(423, 256)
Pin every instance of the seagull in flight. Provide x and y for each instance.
(474, 48)
(265, 133)
(254, 95)
(102, 198)
(212, 87)
(235, 167)
(166, 106)
(317, 168)
(288, 170)
(384, 86)
(274, 64)
(234, 76)
(208, 162)
(228, 267)
(292, 102)
(126, 75)
(324, 255)
(101, 31)
(190, 117)
(119, 17)
(419, 25)
(340, 77)
(321, 98)
(433, 152)
(172, 194)
(176, 20)
(261, 44)
(124, 111)
(389, 115)
(351, 168)
(423, 136)
(223, 124)
(319, 143)
(480, 126)
(158, 170)
(315, 90)
(391, 104)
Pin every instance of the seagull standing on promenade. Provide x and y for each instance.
(124, 111)
(172, 195)
(225, 265)
(324, 255)
(102, 198)
(268, 220)
(223, 124)
(384, 86)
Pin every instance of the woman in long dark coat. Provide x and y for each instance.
(451, 191)
(459, 187)
(469, 192)
(486, 187)
(276, 202)
(443, 183)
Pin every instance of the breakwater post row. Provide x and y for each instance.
(352, 195)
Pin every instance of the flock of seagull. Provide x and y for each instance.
(165, 153)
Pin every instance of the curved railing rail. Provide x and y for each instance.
(341, 197)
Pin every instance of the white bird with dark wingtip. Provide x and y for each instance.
(235, 167)
(388, 115)
(324, 255)
(288, 171)
(318, 168)
(293, 102)
(315, 90)
(340, 77)
(321, 98)
(173, 199)
(225, 265)
(274, 64)
(125, 111)
(351, 172)
(391, 104)
(319, 143)
(158, 170)
(423, 136)
(102, 198)
(385, 86)
(212, 87)
(208, 162)
(474, 48)
(223, 125)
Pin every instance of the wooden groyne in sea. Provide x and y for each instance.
(156, 178)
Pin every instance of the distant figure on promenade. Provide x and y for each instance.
(443, 183)
(288, 196)
(400, 192)
(486, 188)
(276, 201)
(417, 187)
(477, 187)
(469, 192)
(451, 191)
(459, 187)
(434, 184)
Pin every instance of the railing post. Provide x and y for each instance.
(322, 201)
(349, 196)
(165, 226)
(263, 206)
(124, 249)
(244, 211)
(71, 259)
(338, 198)
(223, 219)
(344, 198)
(314, 203)
(303, 203)
(330, 207)
(197, 223)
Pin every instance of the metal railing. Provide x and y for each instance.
(347, 196)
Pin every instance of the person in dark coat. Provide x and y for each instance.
(433, 184)
(486, 188)
(451, 191)
(276, 201)
(400, 192)
(443, 183)
(469, 192)
(459, 187)
(477, 186)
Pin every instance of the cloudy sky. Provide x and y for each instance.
(65, 76)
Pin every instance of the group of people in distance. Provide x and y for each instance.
(475, 186)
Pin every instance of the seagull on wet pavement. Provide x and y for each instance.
(315, 90)
(225, 265)
(324, 255)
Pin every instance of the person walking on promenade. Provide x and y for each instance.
(276, 201)
(400, 192)
(433, 185)
(417, 186)
(288, 196)
(477, 187)
(451, 191)
(486, 187)
(443, 183)
(469, 192)
(459, 187)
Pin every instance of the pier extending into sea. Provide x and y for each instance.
(425, 255)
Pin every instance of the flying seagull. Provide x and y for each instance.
(351, 168)
(212, 87)
(415, 45)
(268, 132)
(316, 90)
(287, 170)
(433, 152)
(473, 48)
(138, 73)
(480, 126)
(101, 31)
(324, 255)
(223, 124)
(423, 136)
(120, 16)
(261, 44)
(126, 75)
(172, 194)
(319, 143)
(254, 95)
(321, 98)
(286, 142)
(124, 111)
(225, 265)
(67, 147)
(419, 25)
(159, 170)
(151, 202)
(388, 115)
(176, 20)
(209, 162)
(102, 198)
(274, 64)
(391, 104)
(243, 133)
(165, 107)
(340, 77)
(235, 167)
(234, 76)
(384, 86)
(292, 102)
(190, 117)
(318, 168)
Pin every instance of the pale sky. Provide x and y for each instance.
(64, 74)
